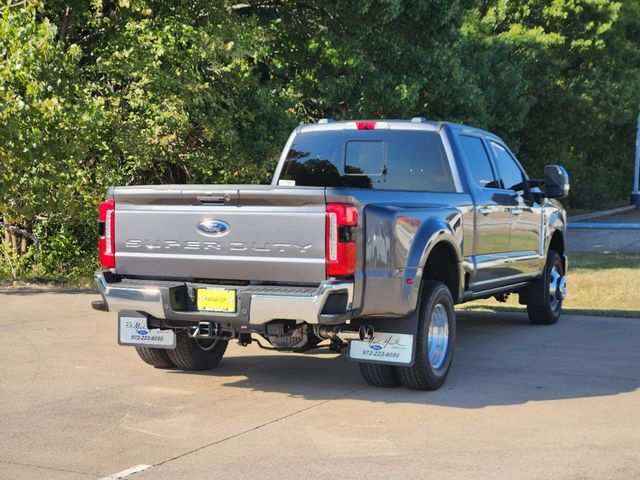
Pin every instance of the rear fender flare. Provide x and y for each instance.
(433, 232)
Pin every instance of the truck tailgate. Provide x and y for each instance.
(225, 232)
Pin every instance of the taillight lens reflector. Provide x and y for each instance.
(342, 223)
(106, 232)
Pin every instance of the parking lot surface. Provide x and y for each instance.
(521, 401)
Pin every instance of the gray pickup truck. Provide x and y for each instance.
(369, 234)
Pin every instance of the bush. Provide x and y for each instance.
(94, 94)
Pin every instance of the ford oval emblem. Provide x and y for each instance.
(142, 332)
(214, 228)
(375, 346)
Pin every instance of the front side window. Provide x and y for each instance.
(508, 169)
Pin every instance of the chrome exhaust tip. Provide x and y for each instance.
(362, 334)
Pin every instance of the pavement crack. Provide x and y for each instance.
(258, 427)
(43, 467)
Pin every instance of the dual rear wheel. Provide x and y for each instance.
(437, 332)
(434, 346)
(189, 354)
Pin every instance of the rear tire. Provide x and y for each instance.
(156, 357)
(379, 375)
(435, 340)
(549, 312)
(192, 354)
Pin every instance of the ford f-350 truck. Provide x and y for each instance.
(369, 234)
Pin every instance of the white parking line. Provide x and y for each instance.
(126, 473)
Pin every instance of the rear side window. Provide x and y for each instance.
(478, 163)
(378, 159)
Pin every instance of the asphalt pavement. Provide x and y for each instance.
(521, 401)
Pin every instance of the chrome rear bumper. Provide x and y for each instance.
(256, 305)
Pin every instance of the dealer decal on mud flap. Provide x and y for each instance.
(384, 347)
(133, 330)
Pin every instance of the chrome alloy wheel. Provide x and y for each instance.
(438, 338)
(557, 289)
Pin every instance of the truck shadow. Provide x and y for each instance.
(500, 360)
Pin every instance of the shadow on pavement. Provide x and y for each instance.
(500, 360)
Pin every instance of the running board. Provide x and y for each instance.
(469, 295)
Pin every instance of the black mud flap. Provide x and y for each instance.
(536, 292)
(382, 350)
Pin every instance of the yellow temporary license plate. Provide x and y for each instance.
(216, 299)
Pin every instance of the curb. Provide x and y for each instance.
(604, 226)
(603, 213)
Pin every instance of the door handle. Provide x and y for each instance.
(516, 211)
(484, 210)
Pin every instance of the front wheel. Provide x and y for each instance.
(196, 354)
(556, 291)
(435, 340)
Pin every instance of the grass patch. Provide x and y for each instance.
(606, 284)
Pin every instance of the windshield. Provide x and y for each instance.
(380, 159)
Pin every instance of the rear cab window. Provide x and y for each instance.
(377, 159)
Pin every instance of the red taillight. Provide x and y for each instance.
(342, 222)
(366, 125)
(106, 232)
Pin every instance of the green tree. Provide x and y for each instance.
(579, 69)
(96, 93)
(158, 92)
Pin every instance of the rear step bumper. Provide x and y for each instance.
(256, 304)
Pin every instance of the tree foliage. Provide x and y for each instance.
(102, 92)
